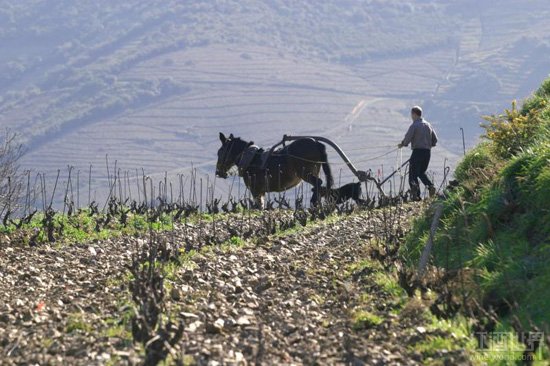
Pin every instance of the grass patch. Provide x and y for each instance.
(233, 243)
(388, 284)
(84, 226)
(435, 345)
(77, 323)
(119, 331)
(364, 265)
(364, 320)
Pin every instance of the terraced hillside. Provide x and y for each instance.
(151, 83)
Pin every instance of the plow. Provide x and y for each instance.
(362, 175)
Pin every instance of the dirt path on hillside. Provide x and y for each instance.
(308, 296)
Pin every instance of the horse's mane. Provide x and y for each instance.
(240, 140)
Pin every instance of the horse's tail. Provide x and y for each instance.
(325, 165)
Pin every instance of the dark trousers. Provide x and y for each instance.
(420, 159)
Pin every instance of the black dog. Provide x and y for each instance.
(344, 193)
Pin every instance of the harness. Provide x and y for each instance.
(248, 156)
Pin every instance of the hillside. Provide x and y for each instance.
(151, 83)
(494, 237)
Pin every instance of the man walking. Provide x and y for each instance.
(422, 138)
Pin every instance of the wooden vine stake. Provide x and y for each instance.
(428, 248)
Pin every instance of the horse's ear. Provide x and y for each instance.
(231, 136)
(223, 139)
(251, 143)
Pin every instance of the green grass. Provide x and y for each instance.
(77, 322)
(233, 243)
(458, 337)
(186, 257)
(119, 331)
(388, 288)
(497, 223)
(505, 349)
(364, 319)
(388, 284)
(82, 227)
(435, 345)
(362, 265)
(458, 328)
(120, 327)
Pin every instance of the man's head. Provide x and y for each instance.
(416, 112)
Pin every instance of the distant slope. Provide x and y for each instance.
(151, 83)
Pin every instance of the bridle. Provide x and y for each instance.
(227, 154)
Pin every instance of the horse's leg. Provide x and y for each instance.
(325, 165)
(316, 182)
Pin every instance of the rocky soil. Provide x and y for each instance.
(320, 294)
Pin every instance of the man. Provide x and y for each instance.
(422, 138)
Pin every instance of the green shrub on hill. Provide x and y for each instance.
(515, 130)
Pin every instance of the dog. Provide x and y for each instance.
(343, 193)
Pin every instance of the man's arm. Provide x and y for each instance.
(434, 138)
(408, 136)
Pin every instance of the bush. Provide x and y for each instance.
(514, 130)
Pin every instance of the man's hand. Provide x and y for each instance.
(400, 145)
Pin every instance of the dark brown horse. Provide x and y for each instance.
(299, 161)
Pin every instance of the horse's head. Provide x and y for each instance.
(229, 153)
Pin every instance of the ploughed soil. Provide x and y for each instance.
(325, 293)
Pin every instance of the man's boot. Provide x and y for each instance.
(431, 190)
(415, 193)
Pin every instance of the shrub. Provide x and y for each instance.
(513, 131)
